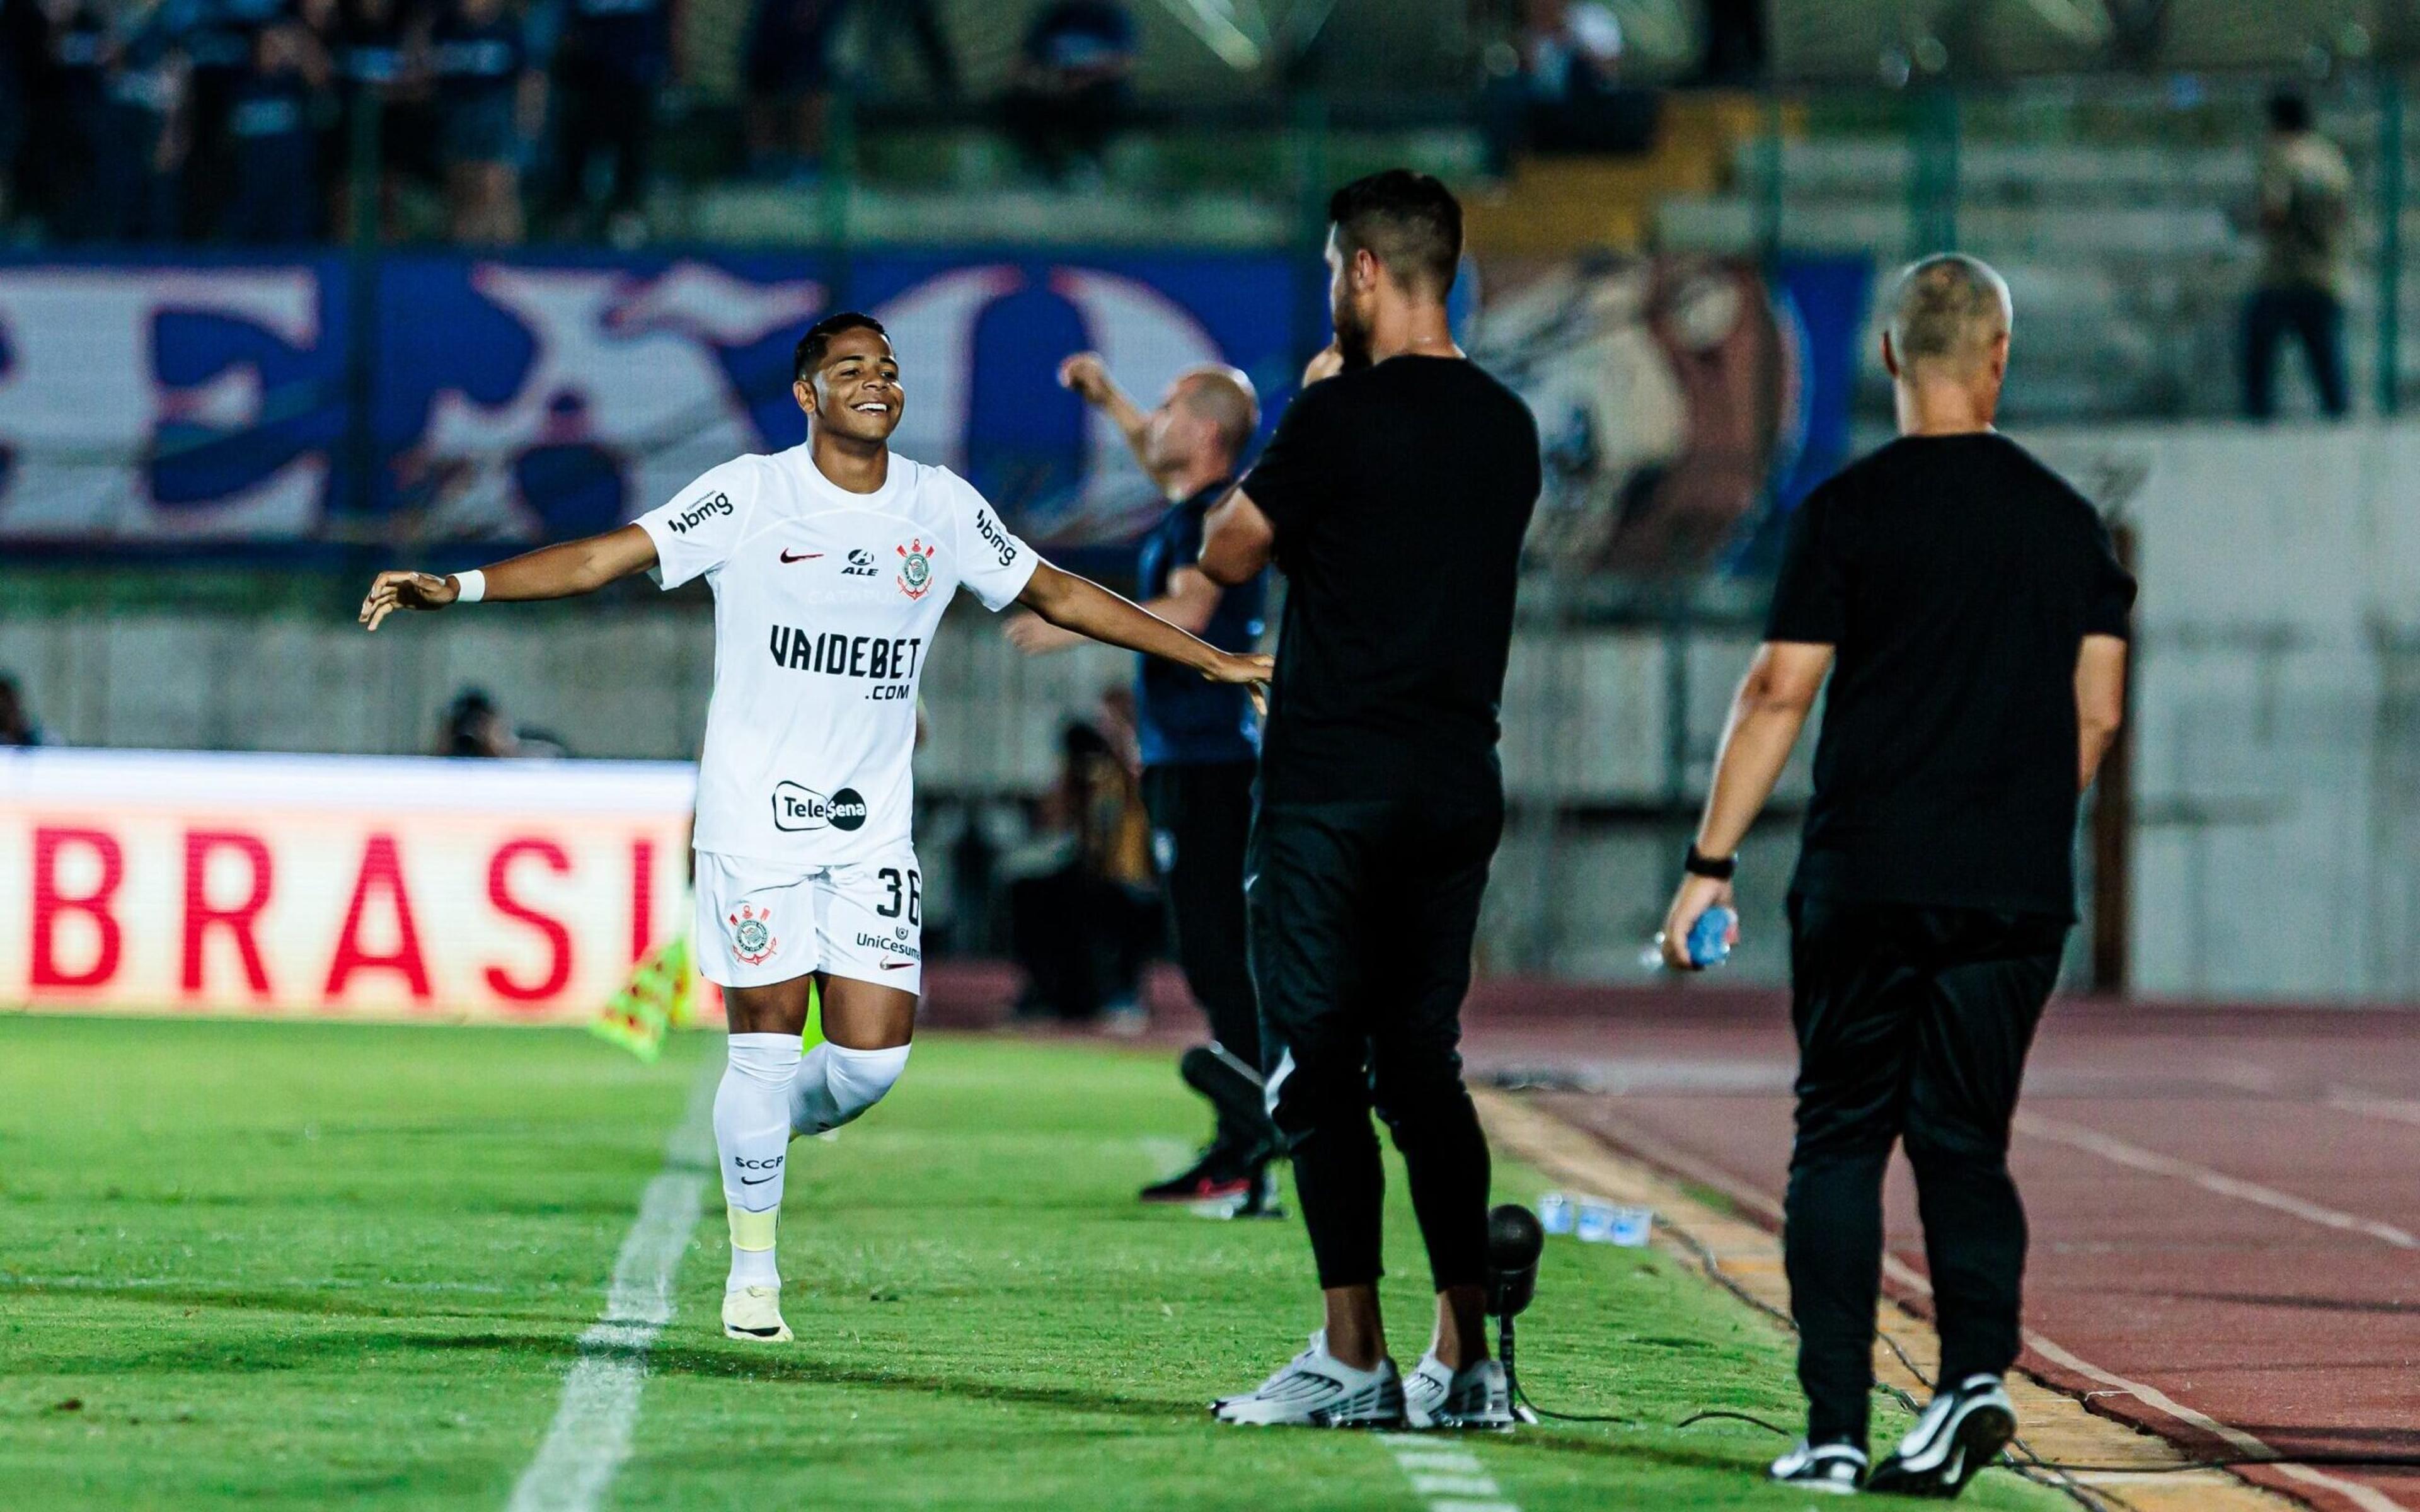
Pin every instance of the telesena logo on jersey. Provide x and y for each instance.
(816, 652)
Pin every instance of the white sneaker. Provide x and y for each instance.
(1834, 1469)
(754, 1313)
(1475, 1396)
(1961, 1431)
(1318, 1390)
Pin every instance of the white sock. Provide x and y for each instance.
(751, 1133)
(836, 1084)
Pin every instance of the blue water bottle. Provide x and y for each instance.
(1710, 938)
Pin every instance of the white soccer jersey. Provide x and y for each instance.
(825, 605)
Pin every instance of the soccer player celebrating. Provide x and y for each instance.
(831, 565)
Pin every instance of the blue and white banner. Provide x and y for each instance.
(541, 397)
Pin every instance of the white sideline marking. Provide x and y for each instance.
(2364, 1497)
(2134, 1156)
(1447, 1479)
(590, 1439)
(2121, 1153)
(2395, 1110)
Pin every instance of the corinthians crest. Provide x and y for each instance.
(916, 568)
(751, 935)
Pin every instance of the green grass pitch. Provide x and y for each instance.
(303, 1265)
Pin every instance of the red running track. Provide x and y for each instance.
(2224, 1202)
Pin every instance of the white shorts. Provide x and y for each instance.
(758, 924)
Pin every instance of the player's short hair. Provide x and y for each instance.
(1223, 396)
(2288, 113)
(1948, 308)
(818, 340)
(1408, 221)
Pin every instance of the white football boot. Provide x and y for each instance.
(1477, 1396)
(1317, 1390)
(754, 1313)
(1959, 1432)
(1834, 1469)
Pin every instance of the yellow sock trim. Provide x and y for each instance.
(753, 1230)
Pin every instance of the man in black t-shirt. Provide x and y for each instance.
(1972, 619)
(1394, 497)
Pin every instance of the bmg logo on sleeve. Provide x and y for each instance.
(697, 514)
(997, 537)
(798, 809)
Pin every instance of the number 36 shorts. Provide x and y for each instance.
(759, 923)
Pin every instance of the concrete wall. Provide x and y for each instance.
(2278, 756)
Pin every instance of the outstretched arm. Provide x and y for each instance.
(1190, 601)
(1767, 715)
(565, 571)
(1085, 607)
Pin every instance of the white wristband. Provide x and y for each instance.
(470, 587)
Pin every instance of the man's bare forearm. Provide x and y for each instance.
(572, 568)
(1236, 540)
(1756, 747)
(1089, 610)
(2093, 748)
(1132, 423)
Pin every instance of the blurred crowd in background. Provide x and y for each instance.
(240, 121)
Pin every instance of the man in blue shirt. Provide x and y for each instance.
(1200, 745)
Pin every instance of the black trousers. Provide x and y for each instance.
(1200, 820)
(1912, 1024)
(2313, 317)
(1362, 916)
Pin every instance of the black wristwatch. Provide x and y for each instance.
(1702, 865)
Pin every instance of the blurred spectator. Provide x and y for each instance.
(221, 42)
(21, 59)
(379, 44)
(141, 138)
(17, 726)
(1735, 43)
(489, 101)
(1565, 93)
(1083, 930)
(1571, 50)
(615, 59)
(274, 138)
(789, 64)
(2305, 217)
(788, 68)
(473, 725)
(1073, 85)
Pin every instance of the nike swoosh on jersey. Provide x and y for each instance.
(800, 556)
(897, 965)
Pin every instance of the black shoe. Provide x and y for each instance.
(1959, 1433)
(1217, 1175)
(1835, 1469)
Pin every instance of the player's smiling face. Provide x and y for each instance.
(857, 392)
